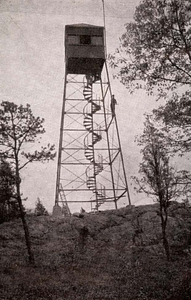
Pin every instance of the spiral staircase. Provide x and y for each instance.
(93, 136)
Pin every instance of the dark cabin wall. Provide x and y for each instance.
(82, 58)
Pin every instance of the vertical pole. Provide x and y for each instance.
(104, 22)
(60, 142)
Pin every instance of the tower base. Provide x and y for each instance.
(57, 211)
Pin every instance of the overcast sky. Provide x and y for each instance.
(32, 71)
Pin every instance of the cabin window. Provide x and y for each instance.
(85, 39)
(97, 40)
(73, 39)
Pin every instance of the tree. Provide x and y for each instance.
(158, 178)
(8, 205)
(176, 117)
(19, 128)
(40, 210)
(154, 52)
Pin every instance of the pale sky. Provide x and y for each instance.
(32, 71)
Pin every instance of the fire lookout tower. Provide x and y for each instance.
(90, 169)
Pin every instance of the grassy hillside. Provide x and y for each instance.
(109, 255)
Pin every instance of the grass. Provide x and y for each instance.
(105, 264)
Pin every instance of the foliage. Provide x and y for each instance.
(158, 176)
(7, 181)
(154, 51)
(176, 117)
(19, 128)
(154, 54)
(8, 205)
(40, 210)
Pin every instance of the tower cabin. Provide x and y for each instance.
(84, 49)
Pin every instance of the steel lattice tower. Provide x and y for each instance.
(90, 161)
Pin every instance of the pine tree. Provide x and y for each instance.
(19, 127)
(40, 210)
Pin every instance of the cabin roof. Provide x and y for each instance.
(83, 25)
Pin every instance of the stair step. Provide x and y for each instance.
(88, 127)
(95, 107)
(89, 154)
(88, 122)
(96, 137)
(98, 169)
(87, 92)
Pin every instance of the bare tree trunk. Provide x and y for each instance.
(26, 231)
(165, 243)
(164, 217)
(24, 222)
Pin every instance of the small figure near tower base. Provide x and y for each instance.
(57, 211)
